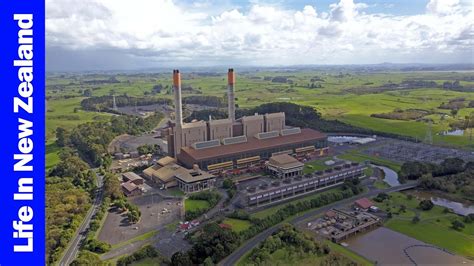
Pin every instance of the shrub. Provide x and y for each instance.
(426, 205)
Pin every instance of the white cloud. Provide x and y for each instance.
(163, 31)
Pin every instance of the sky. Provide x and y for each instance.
(139, 34)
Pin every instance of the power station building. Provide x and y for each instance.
(233, 143)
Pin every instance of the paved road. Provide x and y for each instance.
(72, 250)
(253, 242)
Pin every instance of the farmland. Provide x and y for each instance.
(351, 96)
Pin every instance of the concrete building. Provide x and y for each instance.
(242, 143)
(274, 122)
(130, 189)
(252, 125)
(291, 187)
(194, 180)
(132, 177)
(193, 132)
(284, 165)
(238, 150)
(220, 129)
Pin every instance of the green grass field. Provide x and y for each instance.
(237, 224)
(434, 226)
(193, 205)
(316, 165)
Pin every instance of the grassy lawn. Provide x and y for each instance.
(316, 165)
(147, 262)
(172, 226)
(357, 156)
(52, 156)
(237, 224)
(175, 192)
(145, 236)
(285, 256)
(192, 205)
(433, 228)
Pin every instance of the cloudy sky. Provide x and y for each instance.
(124, 34)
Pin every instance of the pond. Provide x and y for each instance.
(390, 176)
(387, 247)
(461, 208)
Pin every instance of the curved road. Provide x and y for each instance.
(71, 252)
(253, 242)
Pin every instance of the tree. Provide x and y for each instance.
(208, 262)
(62, 137)
(87, 93)
(454, 112)
(426, 205)
(457, 225)
(87, 258)
(181, 259)
(112, 187)
(415, 220)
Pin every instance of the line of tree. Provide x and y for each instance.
(451, 175)
(258, 225)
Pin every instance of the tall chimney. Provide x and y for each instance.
(177, 111)
(230, 93)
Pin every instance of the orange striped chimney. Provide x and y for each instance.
(230, 94)
(231, 77)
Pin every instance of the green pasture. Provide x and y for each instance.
(193, 205)
(434, 226)
(238, 225)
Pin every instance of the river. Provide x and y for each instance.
(390, 176)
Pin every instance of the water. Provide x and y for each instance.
(386, 247)
(457, 207)
(391, 177)
(341, 139)
(456, 132)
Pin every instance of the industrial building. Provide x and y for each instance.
(237, 143)
(291, 187)
(339, 225)
(284, 165)
(167, 174)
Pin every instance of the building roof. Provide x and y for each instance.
(275, 115)
(167, 173)
(330, 214)
(131, 176)
(193, 175)
(129, 186)
(225, 121)
(285, 161)
(364, 203)
(166, 160)
(199, 123)
(251, 145)
(252, 117)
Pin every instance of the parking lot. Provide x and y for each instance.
(156, 212)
